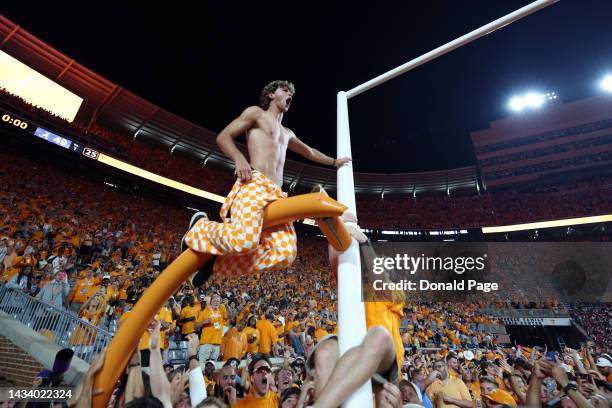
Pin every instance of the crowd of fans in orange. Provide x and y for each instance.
(58, 228)
(429, 212)
(501, 208)
(93, 250)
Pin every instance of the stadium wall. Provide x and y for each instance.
(24, 353)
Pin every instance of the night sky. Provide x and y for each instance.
(208, 64)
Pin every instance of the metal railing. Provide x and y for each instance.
(60, 326)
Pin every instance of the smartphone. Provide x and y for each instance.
(551, 356)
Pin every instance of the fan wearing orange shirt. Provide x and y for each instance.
(261, 396)
(252, 335)
(211, 320)
(187, 318)
(164, 316)
(84, 289)
(387, 313)
(91, 311)
(267, 333)
(234, 342)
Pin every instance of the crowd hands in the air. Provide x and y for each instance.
(500, 377)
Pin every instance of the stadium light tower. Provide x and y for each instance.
(517, 104)
(606, 83)
(532, 100)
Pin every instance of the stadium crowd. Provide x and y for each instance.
(498, 377)
(547, 136)
(596, 320)
(576, 161)
(252, 341)
(431, 212)
(93, 250)
(544, 151)
(500, 208)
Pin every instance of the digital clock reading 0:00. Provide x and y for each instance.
(14, 121)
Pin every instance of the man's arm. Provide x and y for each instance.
(160, 386)
(464, 402)
(560, 376)
(203, 320)
(197, 386)
(592, 363)
(427, 381)
(518, 391)
(301, 148)
(538, 374)
(238, 126)
(134, 388)
(577, 363)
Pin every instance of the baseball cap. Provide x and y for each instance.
(299, 360)
(468, 355)
(603, 362)
(501, 397)
(234, 362)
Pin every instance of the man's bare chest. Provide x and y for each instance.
(273, 132)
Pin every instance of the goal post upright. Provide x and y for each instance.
(351, 312)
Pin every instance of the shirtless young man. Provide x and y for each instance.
(243, 245)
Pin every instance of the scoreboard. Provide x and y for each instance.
(10, 119)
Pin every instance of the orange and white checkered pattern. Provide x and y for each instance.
(243, 245)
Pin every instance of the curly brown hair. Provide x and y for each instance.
(264, 100)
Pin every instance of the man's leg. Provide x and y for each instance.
(277, 249)
(236, 239)
(239, 236)
(375, 355)
(325, 358)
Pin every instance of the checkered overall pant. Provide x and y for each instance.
(243, 245)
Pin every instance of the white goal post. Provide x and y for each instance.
(351, 312)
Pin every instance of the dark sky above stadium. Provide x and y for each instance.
(209, 63)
